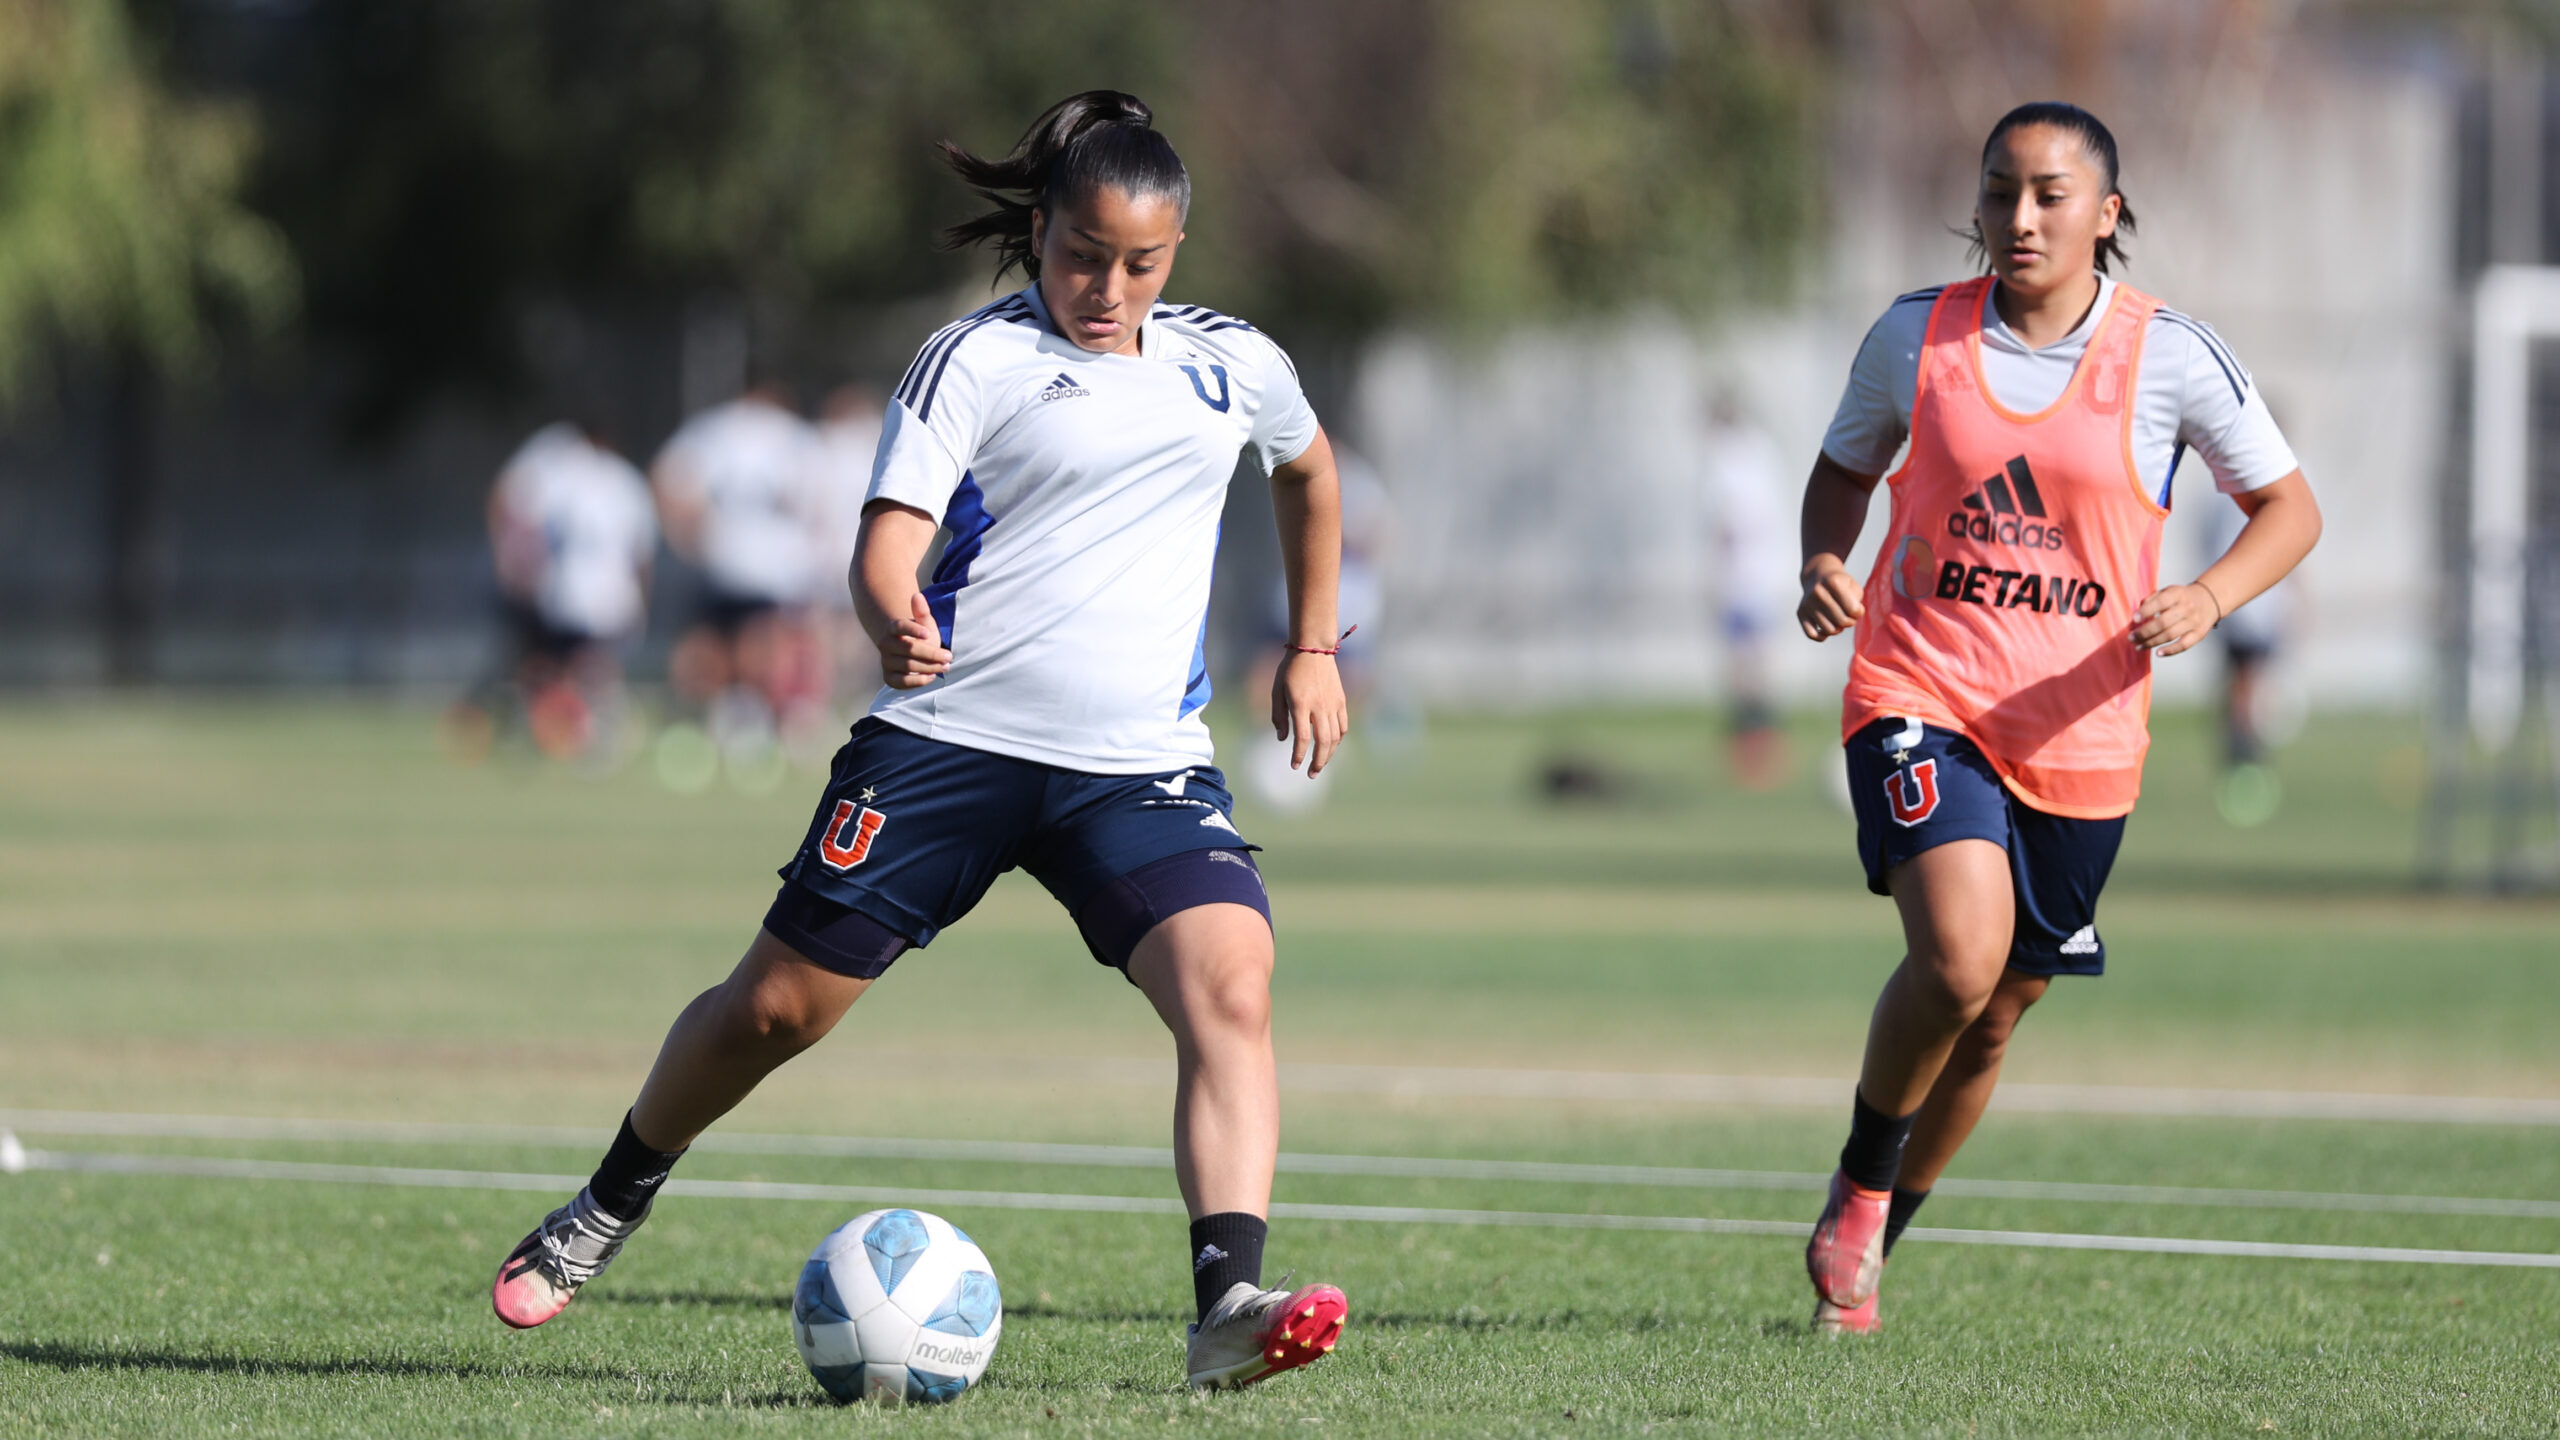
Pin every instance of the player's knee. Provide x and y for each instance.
(1237, 996)
(772, 1014)
(1956, 982)
(1999, 1019)
(791, 1024)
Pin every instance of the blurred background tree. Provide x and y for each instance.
(123, 239)
(1359, 164)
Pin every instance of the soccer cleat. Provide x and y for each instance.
(1253, 1334)
(1833, 1321)
(570, 1247)
(1846, 1255)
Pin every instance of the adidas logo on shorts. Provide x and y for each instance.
(2083, 941)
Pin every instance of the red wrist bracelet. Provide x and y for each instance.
(1320, 650)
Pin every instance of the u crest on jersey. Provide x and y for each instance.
(1200, 387)
(1912, 791)
(835, 850)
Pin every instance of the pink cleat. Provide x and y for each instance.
(1251, 1335)
(1834, 1321)
(570, 1247)
(1846, 1255)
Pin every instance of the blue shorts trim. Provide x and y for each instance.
(912, 831)
(1916, 787)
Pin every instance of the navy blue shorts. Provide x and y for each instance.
(1914, 792)
(911, 832)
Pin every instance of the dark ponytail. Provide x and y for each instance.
(2096, 140)
(1099, 140)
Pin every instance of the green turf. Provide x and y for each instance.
(264, 908)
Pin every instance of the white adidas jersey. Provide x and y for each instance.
(1082, 494)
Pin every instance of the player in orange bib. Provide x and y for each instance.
(2000, 682)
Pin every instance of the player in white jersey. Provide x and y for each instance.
(571, 533)
(737, 492)
(1042, 708)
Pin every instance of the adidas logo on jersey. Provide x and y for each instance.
(2006, 509)
(2083, 941)
(1063, 388)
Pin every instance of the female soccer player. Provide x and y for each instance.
(2000, 684)
(1042, 707)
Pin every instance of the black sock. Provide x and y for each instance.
(1225, 1248)
(629, 1178)
(1906, 1203)
(1873, 1156)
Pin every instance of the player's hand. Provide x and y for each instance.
(1308, 709)
(2175, 619)
(1833, 600)
(912, 656)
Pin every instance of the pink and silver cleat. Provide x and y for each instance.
(1846, 1255)
(1251, 1335)
(570, 1247)
(1836, 1320)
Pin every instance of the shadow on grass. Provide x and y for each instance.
(710, 1299)
(63, 1356)
(660, 1390)
(1467, 1320)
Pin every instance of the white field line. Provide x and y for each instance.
(214, 1167)
(1774, 1091)
(1010, 1152)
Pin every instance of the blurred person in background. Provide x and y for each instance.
(1368, 530)
(1997, 710)
(1040, 709)
(1750, 504)
(572, 533)
(848, 443)
(738, 495)
(2251, 640)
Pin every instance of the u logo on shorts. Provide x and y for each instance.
(1912, 791)
(840, 856)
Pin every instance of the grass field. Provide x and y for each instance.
(299, 910)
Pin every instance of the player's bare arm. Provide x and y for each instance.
(892, 610)
(1835, 509)
(2284, 523)
(1307, 704)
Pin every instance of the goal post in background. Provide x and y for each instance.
(2496, 734)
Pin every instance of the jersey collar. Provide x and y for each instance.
(1997, 334)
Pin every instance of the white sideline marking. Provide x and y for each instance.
(1011, 1152)
(215, 1167)
(1751, 1090)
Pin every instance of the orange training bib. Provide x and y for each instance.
(2001, 606)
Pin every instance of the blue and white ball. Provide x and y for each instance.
(897, 1306)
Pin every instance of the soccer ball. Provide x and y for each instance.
(897, 1305)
